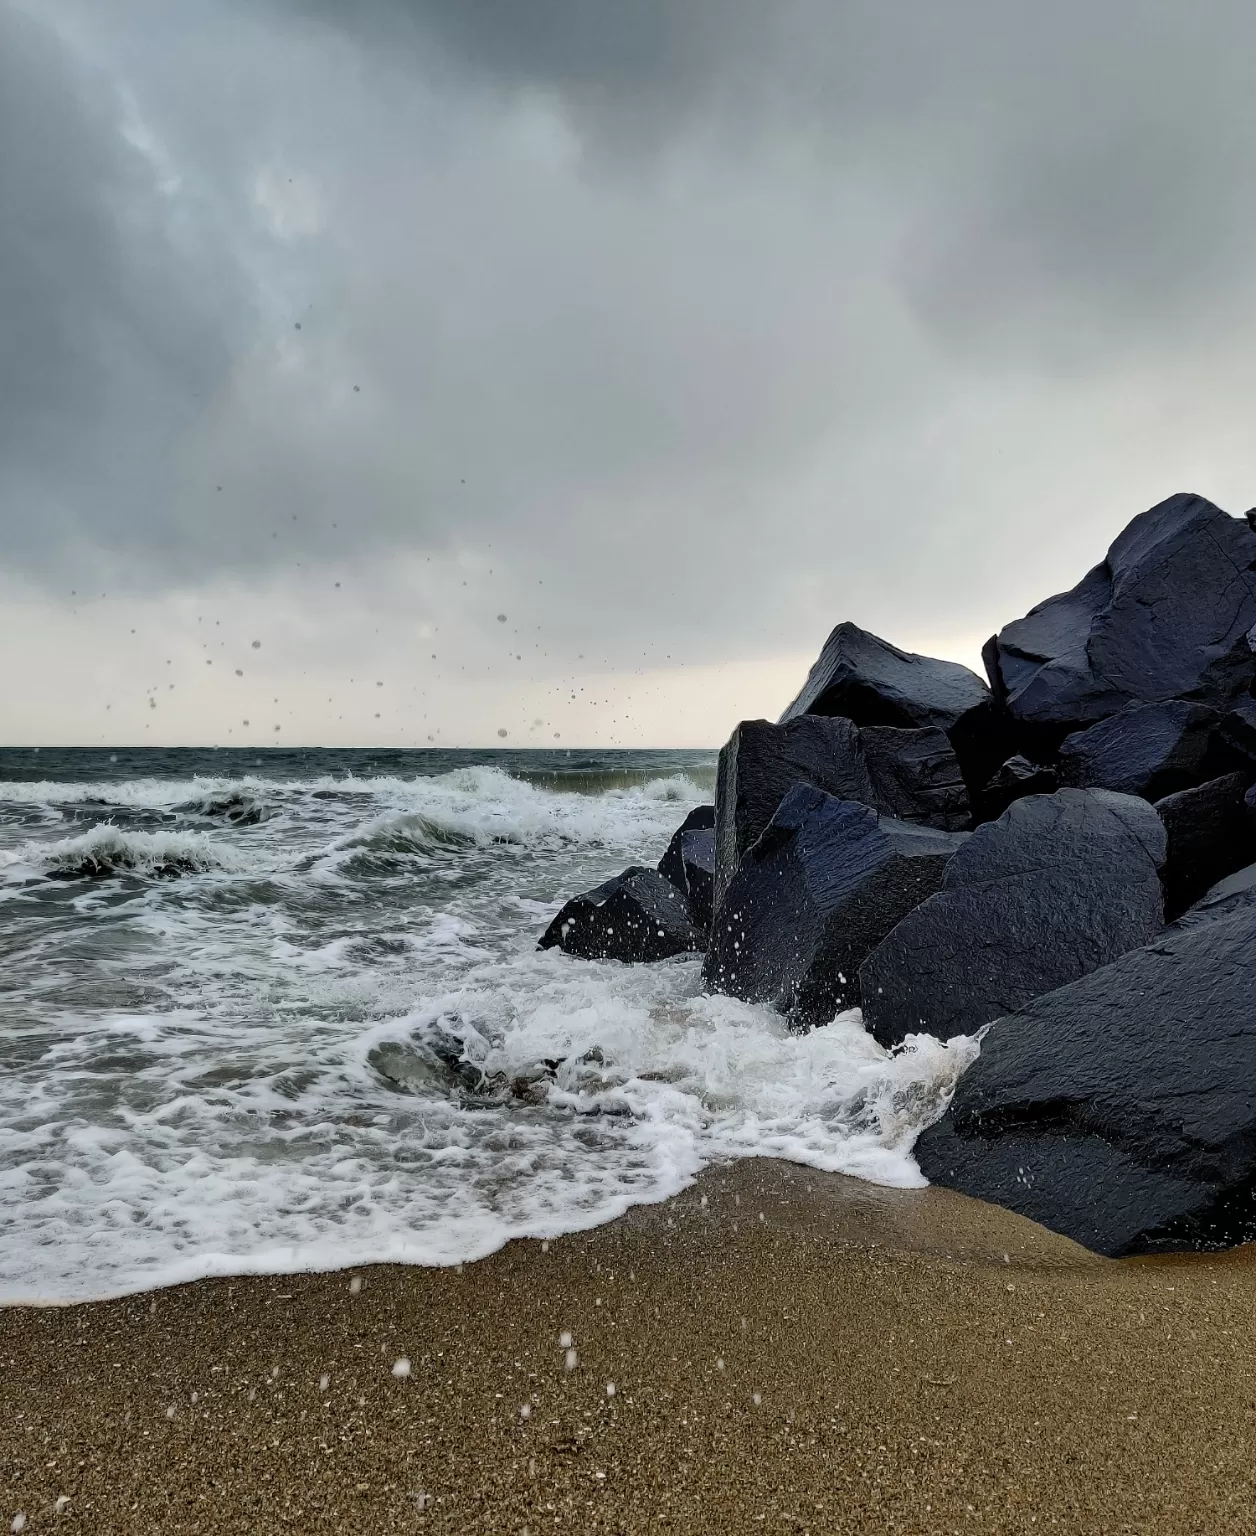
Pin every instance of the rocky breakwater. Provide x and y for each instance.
(1061, 860)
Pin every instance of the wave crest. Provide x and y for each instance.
(109, 850)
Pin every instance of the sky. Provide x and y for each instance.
(418, 371)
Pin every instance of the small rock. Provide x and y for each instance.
(637, 915)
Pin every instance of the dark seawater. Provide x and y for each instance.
(282, 1009)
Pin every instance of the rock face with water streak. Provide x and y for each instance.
(1121, 1110)
(908, 774)
(672, 864)
(1056, 887)
(1165, 616)
(823, 883)
(637, 915)
(697, 857)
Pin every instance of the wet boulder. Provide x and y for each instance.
(637, 915)
(1056, 887)
(697, 856)
(1121, 1110)
(1015, 779)
(916, 776)
(1210, 835)
(870, 682)
(672, 864)
(825, 881)
(1150, 750)
(908, 774)
(1166, 616)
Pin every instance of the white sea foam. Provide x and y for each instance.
(107, 849)
(371, 1060)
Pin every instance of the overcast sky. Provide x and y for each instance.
(674, 331)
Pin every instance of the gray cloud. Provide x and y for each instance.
(722, 320)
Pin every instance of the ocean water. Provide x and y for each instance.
(283, 1010)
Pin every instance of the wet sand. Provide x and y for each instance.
(799, 1353)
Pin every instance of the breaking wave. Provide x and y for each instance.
(324, 1035)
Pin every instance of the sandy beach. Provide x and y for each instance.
(775, 1350)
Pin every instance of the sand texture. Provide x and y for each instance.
(799, 1353)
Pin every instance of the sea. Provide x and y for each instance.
(283, 1010)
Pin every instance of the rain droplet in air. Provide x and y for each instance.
(564, 1341)
(401, 1367)
(355, 1285)
(571, 1360)
(501, 618)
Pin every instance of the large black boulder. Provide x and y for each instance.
(824, 883)
(1166, 616)
(909, 774)
(1150, 750)
(1056, 887)
(1210, 835)
(1121, 1110)
(869, 681)
(672, 864)
(637, 915)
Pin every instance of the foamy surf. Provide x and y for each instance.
(324, 1036)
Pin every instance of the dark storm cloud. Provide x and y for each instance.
(1069, 152)
(624, 291)
(108, 338)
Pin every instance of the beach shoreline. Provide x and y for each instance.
(773, 1350)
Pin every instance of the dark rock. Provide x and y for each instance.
(698, 860)
(1015, 779)
(672, 864)
(869, 681)
(1121, 1110)
(1238, 731)
(916, 777)
(908, 774)
(1165, 616)
(1056, 887)
(982, 739)
(639, 915)
(760, 763)
(827, 879)
(1210, 835)
(1150, 750)
(1232, 894)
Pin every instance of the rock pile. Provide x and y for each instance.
(953, 857)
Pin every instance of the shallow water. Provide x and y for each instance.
(278, 1011)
